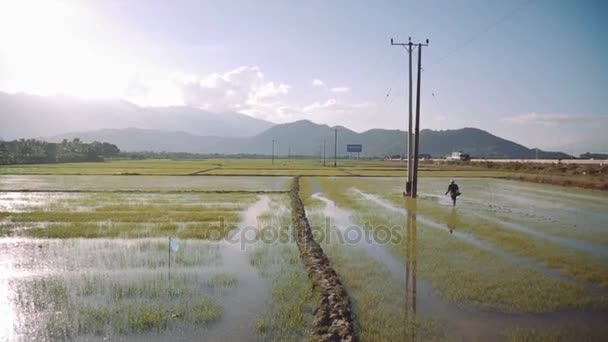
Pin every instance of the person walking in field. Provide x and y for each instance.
(453, 191)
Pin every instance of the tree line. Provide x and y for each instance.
(32, 151)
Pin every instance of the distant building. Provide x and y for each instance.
(458, 156)
(425, 156)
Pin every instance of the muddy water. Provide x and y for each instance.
(459, 323)
(25, 260)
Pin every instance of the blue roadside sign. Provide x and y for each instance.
(354, 148)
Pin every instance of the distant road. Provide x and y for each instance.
(546, 161)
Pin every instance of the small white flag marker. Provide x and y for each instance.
(174, 245)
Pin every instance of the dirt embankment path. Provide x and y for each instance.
(332, 316)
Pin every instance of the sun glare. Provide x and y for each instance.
(43, 52)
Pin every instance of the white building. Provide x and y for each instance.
(458, 156)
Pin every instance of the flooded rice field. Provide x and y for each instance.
(86, 258)
(510, 261)
(142, 183)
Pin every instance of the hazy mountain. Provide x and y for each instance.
(26, 116)
(306, 138)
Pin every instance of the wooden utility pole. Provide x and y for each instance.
(409, 47)
(323, 152)
(272, 151)
(417, 137)
(335, 146)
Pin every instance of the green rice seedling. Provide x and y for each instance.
(464, 273)
(73, 307)
(222, 280)
(289, 315)
(377, 297)
(203, 310)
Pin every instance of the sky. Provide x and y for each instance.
(532, 71)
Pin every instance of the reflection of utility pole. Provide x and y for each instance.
(411, 266)
(335, 146)
(272, 151)
(411, 171)
(323, 152)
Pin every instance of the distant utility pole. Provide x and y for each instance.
(409, 47)
(323, 152)
(272, 151)
(335, 146)
(417, 142)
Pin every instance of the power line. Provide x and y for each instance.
(412, 142)
(437, 103)
(492, 25)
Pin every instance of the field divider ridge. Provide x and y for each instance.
(333, 313)
(144, 191)
(205, 170)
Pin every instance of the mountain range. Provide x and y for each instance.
(306, 138)
(30, 116)
(186, 129)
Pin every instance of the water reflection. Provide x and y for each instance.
(410, 271)
(453, 220)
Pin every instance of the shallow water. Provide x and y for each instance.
(131, 183)
(250, 298)
(72, 263)
(459, 322)
(471, 239)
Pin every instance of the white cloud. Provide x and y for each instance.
(551, 119)
(243, 89)
(340, 89)
(332, 106)
(317, 83)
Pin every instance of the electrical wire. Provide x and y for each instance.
(487, 29)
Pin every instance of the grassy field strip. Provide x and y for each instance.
(68, 289)
(466, 274)
(432, 312)
(290, 311)
(276, 172)
(149, 304)
(236, 167)
(119, 287)
(489, 247)
(581, 245)
(377, 296)
(152, 191)
(587, 236)
(556, 227)
(92, 216)
(568, 224)
(141, 183)
(32, 255)
(567, 196)
(332, 316)
(56, 201)
(579, 264)
(552, 257)
(530, 259)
